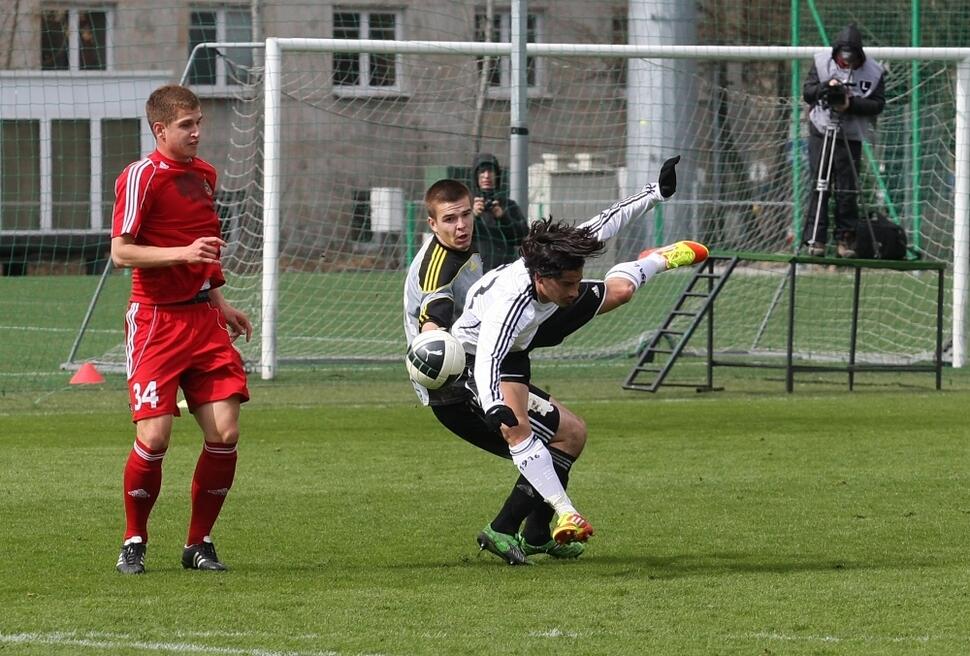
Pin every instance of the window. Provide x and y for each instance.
(220, 68)
(75, 39)
(360, 228)
(59, 174)
(500, 68)
(120, 146)
(71, 174)
(20, 182)
(363, 73)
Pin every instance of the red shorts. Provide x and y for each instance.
(172, 346)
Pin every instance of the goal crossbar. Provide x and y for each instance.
(500, 49)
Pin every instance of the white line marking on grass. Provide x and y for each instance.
(123, 641)
(239, 634)
(784, 637)
(553, 633)
(44, 329)
(244, 634)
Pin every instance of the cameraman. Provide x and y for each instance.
(499, 223)
(851, 96)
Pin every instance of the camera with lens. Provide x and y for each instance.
(833, 95)
(490, 201)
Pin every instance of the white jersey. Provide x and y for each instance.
(503, 313)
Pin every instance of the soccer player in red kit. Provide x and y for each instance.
(178, 329)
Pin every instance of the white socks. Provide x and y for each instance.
(535, 463)
(639, 271)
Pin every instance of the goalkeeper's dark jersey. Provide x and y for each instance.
(434, 290)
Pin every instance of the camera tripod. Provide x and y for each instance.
(823, 183)
(826, 159)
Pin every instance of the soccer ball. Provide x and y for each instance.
(435, 359)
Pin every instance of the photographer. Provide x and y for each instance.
(846, 91)
(499, 223)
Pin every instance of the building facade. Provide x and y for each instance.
(74, 77)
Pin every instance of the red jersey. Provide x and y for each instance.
(161, 202)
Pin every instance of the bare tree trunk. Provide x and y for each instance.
(13, 35)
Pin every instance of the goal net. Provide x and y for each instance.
(357, 137)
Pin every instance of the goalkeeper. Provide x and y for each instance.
(534, 302)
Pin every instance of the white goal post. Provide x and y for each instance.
(277, 48)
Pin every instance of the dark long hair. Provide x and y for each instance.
(553, 247)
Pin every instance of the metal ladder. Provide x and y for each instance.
(666, 344)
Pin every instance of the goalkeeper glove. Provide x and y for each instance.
(668, 177)
(498, 415)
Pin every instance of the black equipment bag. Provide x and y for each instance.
(879, 238)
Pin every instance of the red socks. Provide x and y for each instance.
(142, 482)
(210, 485)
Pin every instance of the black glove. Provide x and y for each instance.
(498, 415)
(668, 177)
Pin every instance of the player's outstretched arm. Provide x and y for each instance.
(609, 222)
(667, 181)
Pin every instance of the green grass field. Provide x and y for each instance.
(741, 522)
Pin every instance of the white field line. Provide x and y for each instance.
(123, 641)
(45, 329)
(830, 639)
(230, 634)
(553, 633)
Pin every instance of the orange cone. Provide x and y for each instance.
(87, 375)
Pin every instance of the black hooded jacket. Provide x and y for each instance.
(497, 240)
(850, 38)
(867, 90)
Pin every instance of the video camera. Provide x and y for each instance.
(834, 95)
